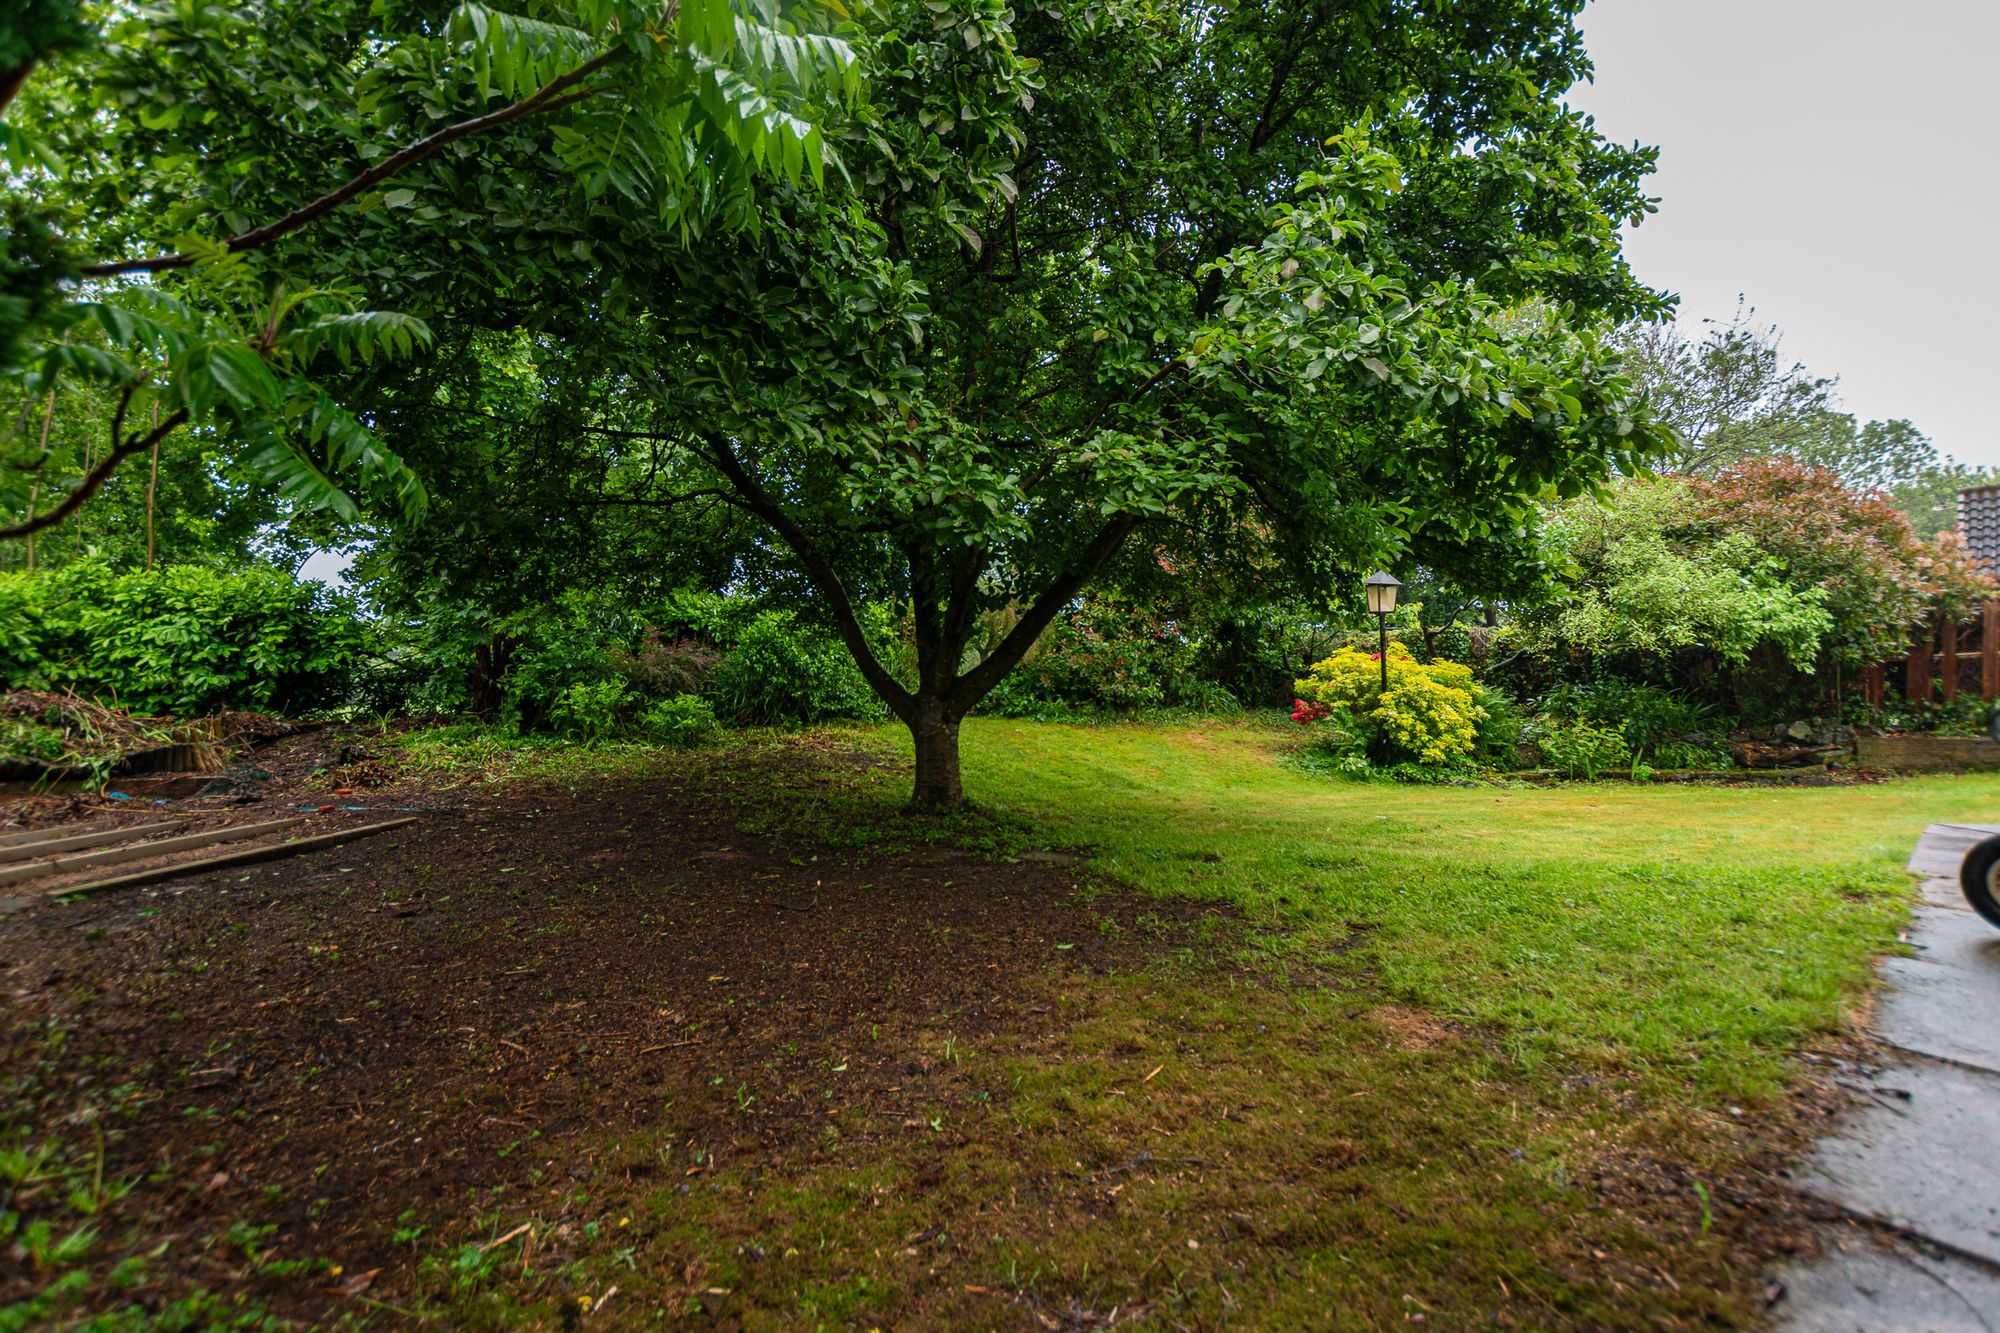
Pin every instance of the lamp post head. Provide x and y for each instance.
(1381, 592)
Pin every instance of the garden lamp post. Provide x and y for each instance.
(1382, 600)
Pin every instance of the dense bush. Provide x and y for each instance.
(1502, 728)
(1749, 589)
(1880, 579)
(781, 671)
(1256, 652)
(685, 719)
(592, 710)
(1650, 578)
(1113, 655)
(1670, 729)
(184, 639)
(1430, 713)
(1579, 748)
(594, 666)
(662, 668)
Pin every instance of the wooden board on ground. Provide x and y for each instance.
(50, 841)
(248, 856)
(141, 850)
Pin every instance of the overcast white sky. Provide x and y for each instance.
(1832, 161)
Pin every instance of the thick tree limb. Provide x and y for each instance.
(1173, 367)
(12, 79)
(977, 683)
(664, 501)
(821, 571)
(1266, 127)
(98, 475)
(958, 610)
(549, 97)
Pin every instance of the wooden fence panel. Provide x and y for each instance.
(1989, 650)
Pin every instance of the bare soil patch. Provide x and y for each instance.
(328, 1044)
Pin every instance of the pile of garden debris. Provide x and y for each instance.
(48, 737)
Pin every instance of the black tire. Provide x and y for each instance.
(1979, 876)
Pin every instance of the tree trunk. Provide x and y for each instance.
(490, 661)
(934, 729)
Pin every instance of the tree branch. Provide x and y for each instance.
(958, 611)
(1172, 367)
(1266, 125)
(664, 501)
(761, 503)
(12, 79)
(977, 683)
(549, 97)
(98, 475)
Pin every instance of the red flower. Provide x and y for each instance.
(1304, 711)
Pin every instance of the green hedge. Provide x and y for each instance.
(185, 639)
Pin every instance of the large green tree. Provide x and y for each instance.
(1731, 396)
(1305, 284)
(1296, 286)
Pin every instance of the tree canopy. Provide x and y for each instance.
(1095, 291)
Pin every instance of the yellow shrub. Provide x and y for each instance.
(1429, 714)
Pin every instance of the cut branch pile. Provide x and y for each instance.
(47, 736)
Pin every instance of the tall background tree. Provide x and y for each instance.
(1731, 395)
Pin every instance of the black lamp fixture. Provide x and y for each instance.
(1382, 588)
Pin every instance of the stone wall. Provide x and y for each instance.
(1928, 754)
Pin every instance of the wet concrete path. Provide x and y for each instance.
(1921, 1157)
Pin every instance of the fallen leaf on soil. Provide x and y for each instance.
(355, 1284)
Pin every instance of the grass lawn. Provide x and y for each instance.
(1694, 932)
(1449, 1056)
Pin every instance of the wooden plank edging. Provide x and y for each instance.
(38, 834)
(139, 851)
(57, 841)
(248, 856)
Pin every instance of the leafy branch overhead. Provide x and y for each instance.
(172, 363)
(658, 105)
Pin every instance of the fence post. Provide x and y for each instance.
(1989, 649)
(1917, 682)
(1871, 686)
(1948, 658)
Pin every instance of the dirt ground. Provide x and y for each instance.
(695, 1045)
(327, 1045)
